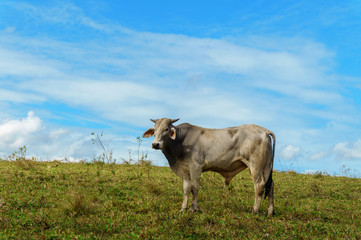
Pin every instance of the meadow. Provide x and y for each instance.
(57, 200)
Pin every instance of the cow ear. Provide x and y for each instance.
(148, 133)
(172, 133)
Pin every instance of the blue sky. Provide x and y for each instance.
(71, 68)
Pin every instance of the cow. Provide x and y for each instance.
(191, 150)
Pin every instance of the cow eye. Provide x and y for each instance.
(166, 130)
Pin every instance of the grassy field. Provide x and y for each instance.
(54, 200)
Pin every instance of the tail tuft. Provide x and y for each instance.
(268, 185)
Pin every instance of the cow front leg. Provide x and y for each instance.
(187, 186)
(195, 189)
(195, 172)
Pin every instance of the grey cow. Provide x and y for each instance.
(191, 150)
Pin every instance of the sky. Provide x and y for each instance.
(70, 68)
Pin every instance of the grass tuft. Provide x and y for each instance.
(79, 205)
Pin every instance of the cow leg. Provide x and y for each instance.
(195, 172)
(195, 189)
(271, 210)
(186, 191)
(259, 187)
(257, 197)
(259, 183)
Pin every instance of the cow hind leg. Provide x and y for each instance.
(257, 197)
(271, 210)
(262, 187)
(259, 187)
(268, 192)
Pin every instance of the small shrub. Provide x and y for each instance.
(26, 164)
(20, 160)
(107, 155)
(348, 172)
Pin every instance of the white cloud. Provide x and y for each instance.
(289, 152)
(343, 151)
(51, 143)
(30, 131)
(57, 133)
(14, 133)
(348, 150)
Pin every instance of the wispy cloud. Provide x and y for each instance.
(319, 155)
(23, 64)
(19, 97)
(63, 13)
(160, 61)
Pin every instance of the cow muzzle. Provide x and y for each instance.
(156, 145)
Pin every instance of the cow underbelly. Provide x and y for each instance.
(225, 167)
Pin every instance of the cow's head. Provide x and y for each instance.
(162, 131)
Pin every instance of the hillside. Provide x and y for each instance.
(54, 200)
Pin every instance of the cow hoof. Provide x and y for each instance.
(271, 213)
(182, 210)
(193, 209)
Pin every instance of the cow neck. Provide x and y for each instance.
(173, 148)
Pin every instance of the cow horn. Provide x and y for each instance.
(154, 120)
(174, 120)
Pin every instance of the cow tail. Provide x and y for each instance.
(269, 182)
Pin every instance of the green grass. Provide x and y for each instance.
(53, 200)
